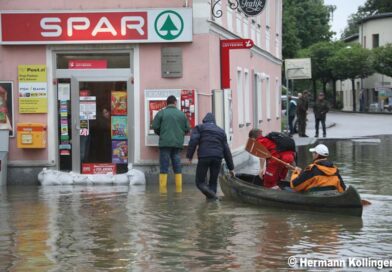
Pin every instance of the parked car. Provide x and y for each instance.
(285, 127)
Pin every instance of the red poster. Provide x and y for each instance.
(119, 103)
(154, 107)
(98, 168)
(188, 106)
(87, 64)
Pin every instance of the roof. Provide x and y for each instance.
(352, 38)
(376, 17)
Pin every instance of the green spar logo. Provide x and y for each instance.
(169, 25)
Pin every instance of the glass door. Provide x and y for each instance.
(95, 128)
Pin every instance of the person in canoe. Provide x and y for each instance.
(280, 146)
(320, 175)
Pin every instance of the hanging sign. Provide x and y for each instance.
(225, 47)
(249, 7)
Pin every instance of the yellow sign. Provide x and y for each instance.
(33, 89)
(32, 73)
(33, 105)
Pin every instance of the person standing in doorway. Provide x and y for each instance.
(320, 110)
(171, 125)
(213, 147)
(302, 109)
(292, 108)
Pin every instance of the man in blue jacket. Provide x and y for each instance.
(213, 147)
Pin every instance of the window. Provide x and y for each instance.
(277, 98)
(268, 97)
(240, 98)
(376, 40)
(364, 41)
(267, 39)
(259, 98)
(277, 16)
(258, 37)
(229, 18)
(277, 49)
(239, 24)
(246, 27)
(247, 98)
(267, 14)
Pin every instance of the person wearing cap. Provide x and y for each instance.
(171, 125)
(320, 109)
(320, 175)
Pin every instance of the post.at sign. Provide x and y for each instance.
(225, 47)
(298, 68)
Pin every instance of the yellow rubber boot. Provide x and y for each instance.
(163, 183)
(178, 179)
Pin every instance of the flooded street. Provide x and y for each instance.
(119, 228)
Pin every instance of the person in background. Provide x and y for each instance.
(255, 133)
(302, 108)
(213, 147)
(282, 147)
(320, 110)
(320, 175)
(171, 125)
(292, 108)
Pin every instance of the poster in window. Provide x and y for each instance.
(154, 107)
(119, 103)
(119, 127)
(119, 152)
(7, 106)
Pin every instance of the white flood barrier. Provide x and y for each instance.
(55, 177)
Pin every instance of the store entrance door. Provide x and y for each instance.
(97, 126)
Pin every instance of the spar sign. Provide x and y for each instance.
(134, 26)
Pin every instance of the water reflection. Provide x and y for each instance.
(124, 228)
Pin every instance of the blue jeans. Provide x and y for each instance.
(165, 155)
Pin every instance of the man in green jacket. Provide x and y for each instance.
(320, 110)
(171, 125)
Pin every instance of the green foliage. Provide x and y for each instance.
(351, 62)
(383, 59)
(372, 7)
(304, 23)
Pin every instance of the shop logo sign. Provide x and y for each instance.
(169, 25)
(252, 7)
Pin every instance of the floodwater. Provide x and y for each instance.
(65, 228)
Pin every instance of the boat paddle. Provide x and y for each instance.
(257, 149)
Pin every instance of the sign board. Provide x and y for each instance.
(125, 26)
(225, 47)
(99, 168)
(87, 64)
(171, 62)
(252, 7)
(298, 68)
(33, 89)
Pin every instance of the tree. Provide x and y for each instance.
(383, 60)
(352, 62)
(304, 23)
(372, 7)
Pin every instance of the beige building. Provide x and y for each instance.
(374, 93)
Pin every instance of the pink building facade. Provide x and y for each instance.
(65, 63)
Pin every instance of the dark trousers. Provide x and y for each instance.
(203, 165)
(322, 120)
(301, 125)
(167, 154)
(291, 125)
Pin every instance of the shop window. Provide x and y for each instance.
(93, 61)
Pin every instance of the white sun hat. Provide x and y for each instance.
(321, 150)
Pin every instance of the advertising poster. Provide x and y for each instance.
(119, 127)
(119, 103)
(88, 108)
(119, 152)
(188, 106)
(7, 105)
(99, 168)
(154, 106)
(33, 89)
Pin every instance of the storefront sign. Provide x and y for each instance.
(249, 7)
(33, 89)
(138, 26)
(225, 47)
(87, 64)
(98, 168)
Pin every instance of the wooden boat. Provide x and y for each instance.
(241, 188)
